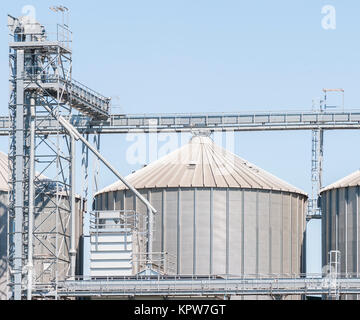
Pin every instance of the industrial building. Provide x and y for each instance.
(199, 222)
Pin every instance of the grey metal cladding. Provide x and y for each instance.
(341, 228)
(3, 245)
(286, 234)
(296, 234)
(171, 223)
(250, 243)
(202, 235)
(275, 226)
(186, 231)
(256, 232)
(219, 232)
(219, 214)
(264, 234)
(156, 201)
(235, 234)
(110, 200)
(351, 229)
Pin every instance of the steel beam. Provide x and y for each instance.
(19, 177)
(146, 123)
(30, 264)
(202, 286)
(72, 251)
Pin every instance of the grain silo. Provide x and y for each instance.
(47, 234)
(217, 213)
(340, 223)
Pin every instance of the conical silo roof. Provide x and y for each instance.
(352, 180)
(203, 164)
(5, 175)
(5, 172)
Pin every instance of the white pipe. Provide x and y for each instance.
(73, 131)
(73, 212)
(151, 210)
(150, 238)
(30, 265)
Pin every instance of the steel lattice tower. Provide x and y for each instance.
(42, 165)
(40, 75)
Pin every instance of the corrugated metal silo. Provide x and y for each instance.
(44, 224)
(4, 189)
(217, 213)
(340, 223)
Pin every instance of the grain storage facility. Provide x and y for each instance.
(45, 229)
(340, 223)
(217, 213)
(4, 188)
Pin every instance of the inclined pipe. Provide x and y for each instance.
(73, 212)
(30, 265)
(76, 135)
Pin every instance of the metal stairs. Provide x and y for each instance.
(79, 96)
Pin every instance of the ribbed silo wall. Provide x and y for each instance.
(53, 231)
(45, 224)
(341, 229)
(223, 231)
(3, 244)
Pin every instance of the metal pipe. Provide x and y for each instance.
(73, 211)
(78, 136)
(31, 198)
(151, 210)
(18, 170)
(150, 237)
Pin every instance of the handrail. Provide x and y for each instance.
(144, 284)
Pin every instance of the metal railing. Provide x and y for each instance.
(122, 124)
(62, 34)
(82, 94)
(206, 285)
(160, 262)
(90, 95)
(114, 221)
(125, 222)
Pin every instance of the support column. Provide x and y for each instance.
(85, 173)
(83, 205)
(150, 237)
(96, 163)
(73, 211)
(316, 171)
(30, 264)
(19, 177)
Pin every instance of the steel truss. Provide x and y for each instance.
(41, 236)
(240, 121)
(43, 131)
(41, 204)
(204, 286)
(42, 221)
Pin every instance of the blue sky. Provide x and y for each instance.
(216, 56)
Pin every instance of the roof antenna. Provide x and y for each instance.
(64, 13)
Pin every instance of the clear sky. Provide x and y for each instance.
(216, 56)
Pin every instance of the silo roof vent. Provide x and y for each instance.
(192, 164)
